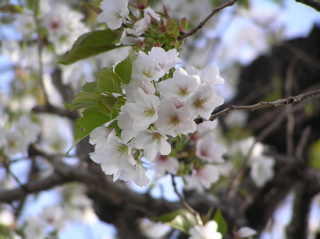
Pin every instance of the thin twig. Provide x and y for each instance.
(290, 117)
(185, 204)
(303, 142)
(237, 178)
(201, 24)
(262, 104)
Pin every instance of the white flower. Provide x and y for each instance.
(208, 231)
(210, 75)
(114, 13)
(174, 118)
(33, 229)
(25, 22)
(137, 174)
(202, 177)
(27, 129)
(204, 101)
(64, 26)
(165, 59)
(146, 68)
(144, 110)
(181, 86)
(164, 163)
(206, 127)
(261, 165)
(99, 138)
(245, 232)
(128, 41)
(154, 230)
(14, 143)
(207, 149)
(116, 158)
(139, 27)
(135, 84)
(125, 122)
(262, 170)
(53, 216)
(151, 142)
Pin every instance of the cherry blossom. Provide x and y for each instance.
(115, 12)
(207, 149)
(99, 137)
(14, 143)
(34, 229)
(204, 101)
(262, 170)
(165, 163)
(151, 142)
(144, 110)
(146, 68)
(165, 59)
(53, 216)
(209, 75)
(181, 86)
(116, 157)
(245, 232)
(28, 129)
(208, 231)
(173, 119)
(202, 177)
(137, 174)
(135, 84)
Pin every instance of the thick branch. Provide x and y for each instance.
(201, 24)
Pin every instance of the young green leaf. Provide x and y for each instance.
(92, 118)
(83, 100)
(123, 70)
(91, 44)
(89, 87)
(315, 155)
(108, 81)
(97, 10)
(180, 219)
(222, 225)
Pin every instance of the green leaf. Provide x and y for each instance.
(315, 155)
(5, 232)
(97, 10)
(124, 69)
(244, 3)
(108, 81)
(91, 44)
(83, 100)
(92, 118)
(33, 5)
(180, 219)
(108, 101)
(89, 87)
(222, 225)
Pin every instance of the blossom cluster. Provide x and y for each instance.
(16, 139)
(161, 102)
(116, 13)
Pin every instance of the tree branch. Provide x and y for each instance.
(311, 3)
(262, 104)
(201, 24)
(184, 203)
